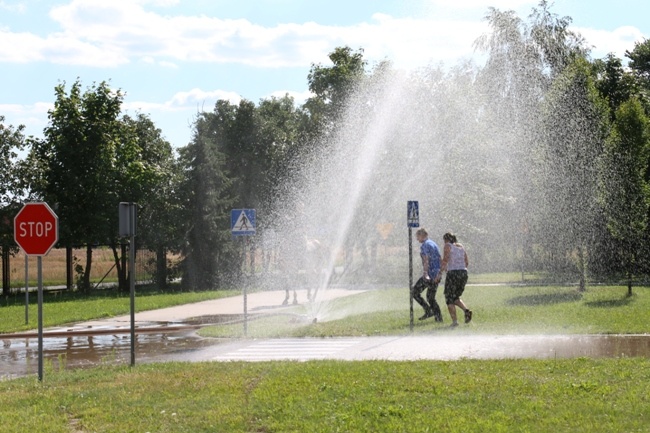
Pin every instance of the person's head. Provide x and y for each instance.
(448, 237)
(421, 235)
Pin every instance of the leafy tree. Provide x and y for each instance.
(524, 58)
(625, 189)
(332, 86)
(206, 189)
(574, 126)
(151, 178)
(640, 63)
(90, 160)
(12, 141)
(614, 82)
(78, 157)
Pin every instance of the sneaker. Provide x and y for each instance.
(426, 315)
(439, 319)
(468, 316)
(453, 325)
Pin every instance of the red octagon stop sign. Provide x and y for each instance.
(36, 229)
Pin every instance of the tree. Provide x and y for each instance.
(151, 178)
(90, 160)
(206, 188)
(640, 62)
(625, 189)
(574, 127)
(332, 86)
(524, 58)
(12, 141)
(614, 82)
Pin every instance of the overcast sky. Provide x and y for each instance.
(175, 58)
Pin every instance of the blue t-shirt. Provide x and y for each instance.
(431, 250)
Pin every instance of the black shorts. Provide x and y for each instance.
(455, 285)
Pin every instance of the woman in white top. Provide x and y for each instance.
(454, 262)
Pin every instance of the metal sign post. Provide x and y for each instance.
(128, 216)
(412, 220)
(26, 289)
(243, 223)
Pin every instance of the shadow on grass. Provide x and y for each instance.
(545, 298)
(609, 303)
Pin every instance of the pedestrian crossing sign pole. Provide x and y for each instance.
(412, 220)
(242, 223)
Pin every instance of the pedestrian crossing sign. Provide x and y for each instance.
(413, 214)
(242, 222)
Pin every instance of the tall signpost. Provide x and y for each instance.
(128, 216)
(242, 223)
(412, 220)
(36, 231)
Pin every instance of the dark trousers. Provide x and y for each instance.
(432, 307)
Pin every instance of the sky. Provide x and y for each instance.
(175, 58)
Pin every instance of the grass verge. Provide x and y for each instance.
(497, 310)
(334, 396)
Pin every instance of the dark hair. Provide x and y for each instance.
(450, 238)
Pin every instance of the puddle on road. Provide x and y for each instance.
(19, 356)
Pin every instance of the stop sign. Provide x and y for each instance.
(36, 229)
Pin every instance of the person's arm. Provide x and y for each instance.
(445, 260)
(425, 266)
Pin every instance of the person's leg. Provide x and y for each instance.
(462, 281)
(451, 296)
(416, 291)
(452, 313)
(433, 304)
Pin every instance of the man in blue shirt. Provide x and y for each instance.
(430, 254)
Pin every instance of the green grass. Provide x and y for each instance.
(603, 395)
(497, 310)
(594, 395)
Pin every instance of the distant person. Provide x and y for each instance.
(430, 254)
(454, 262)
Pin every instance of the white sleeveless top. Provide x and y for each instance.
(456, 258)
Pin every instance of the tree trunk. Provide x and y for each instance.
(5, 271)
(161, 268)
(69, 271)
(119, 265)
(629, 283)
(87, 269)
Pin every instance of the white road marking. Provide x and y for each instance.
(288, 349)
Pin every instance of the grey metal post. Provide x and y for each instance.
(26, 289)
(127, 214)
(40, 318)
(244, 289)
(132, 279)
(411, 277)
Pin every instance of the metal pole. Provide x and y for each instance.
(40, 318)
(132, 284)
(26, 289)
(244, 289)
(411, 277)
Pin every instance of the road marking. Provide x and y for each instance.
(288, 349)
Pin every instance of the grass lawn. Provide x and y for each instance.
(593, 395)
(497, 310)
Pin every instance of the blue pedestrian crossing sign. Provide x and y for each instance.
(413, 214)
(242, 222)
